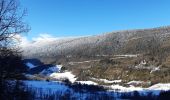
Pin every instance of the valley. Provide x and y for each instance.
(125, 59)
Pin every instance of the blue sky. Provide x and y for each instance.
(64, 18)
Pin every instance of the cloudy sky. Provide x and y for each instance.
(64, 18)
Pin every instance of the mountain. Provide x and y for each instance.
(119, 42)
(141, 55)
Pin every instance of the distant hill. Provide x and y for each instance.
(141, 55)
(118, 42)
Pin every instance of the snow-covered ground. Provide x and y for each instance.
(57, 89)
(155, 69)
(65, 75)
(54, 72)
(47, 87)
(155, 89)
(54, 69)
(160, 86)
(88, 61)
(87, 82)
(30, 65)
(53, 87)
(56, 86)
(107, 81)
(127, 55)
(135, 82)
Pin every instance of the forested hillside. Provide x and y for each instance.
(142, 55)
(142, 41)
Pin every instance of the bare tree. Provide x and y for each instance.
(11, 24)
(11, 21)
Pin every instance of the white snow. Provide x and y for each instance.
(72, 63)
(125, 89)
(107, 81)
(87, 82)
(127, 55)
(135, 82)
(117, 81)
(160, 86)
(142, 65)
(155, 89)
(30, 65)
(155, 69)
(102, 55)
(65, 75)
(47, 87)
(143, 62)
(59, 67)
(51, 70)
(60, 87)
(52, 87)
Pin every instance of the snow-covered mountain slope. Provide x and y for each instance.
(30, 65)
(131, 57)
(104, 44)
(43, 69)
(50, 71)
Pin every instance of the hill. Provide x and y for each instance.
(141, 55)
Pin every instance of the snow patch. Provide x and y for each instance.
(88, 61)
(30, 65)
(46, 86)
(155, 89)
(52, 87)
(143, 62)
(127, 55)
(51, 70)
(155, 69)
(125, 89)
(87, 82)
(107, 81)
(160, 86)
(135, 82)
(65, 75)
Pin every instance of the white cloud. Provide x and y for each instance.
(44, 36)
(41, 38)
(24, 41)
(21, 40)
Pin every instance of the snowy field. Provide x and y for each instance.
(59, 86)
(54, 72)
(115, 90)
(48, 88)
